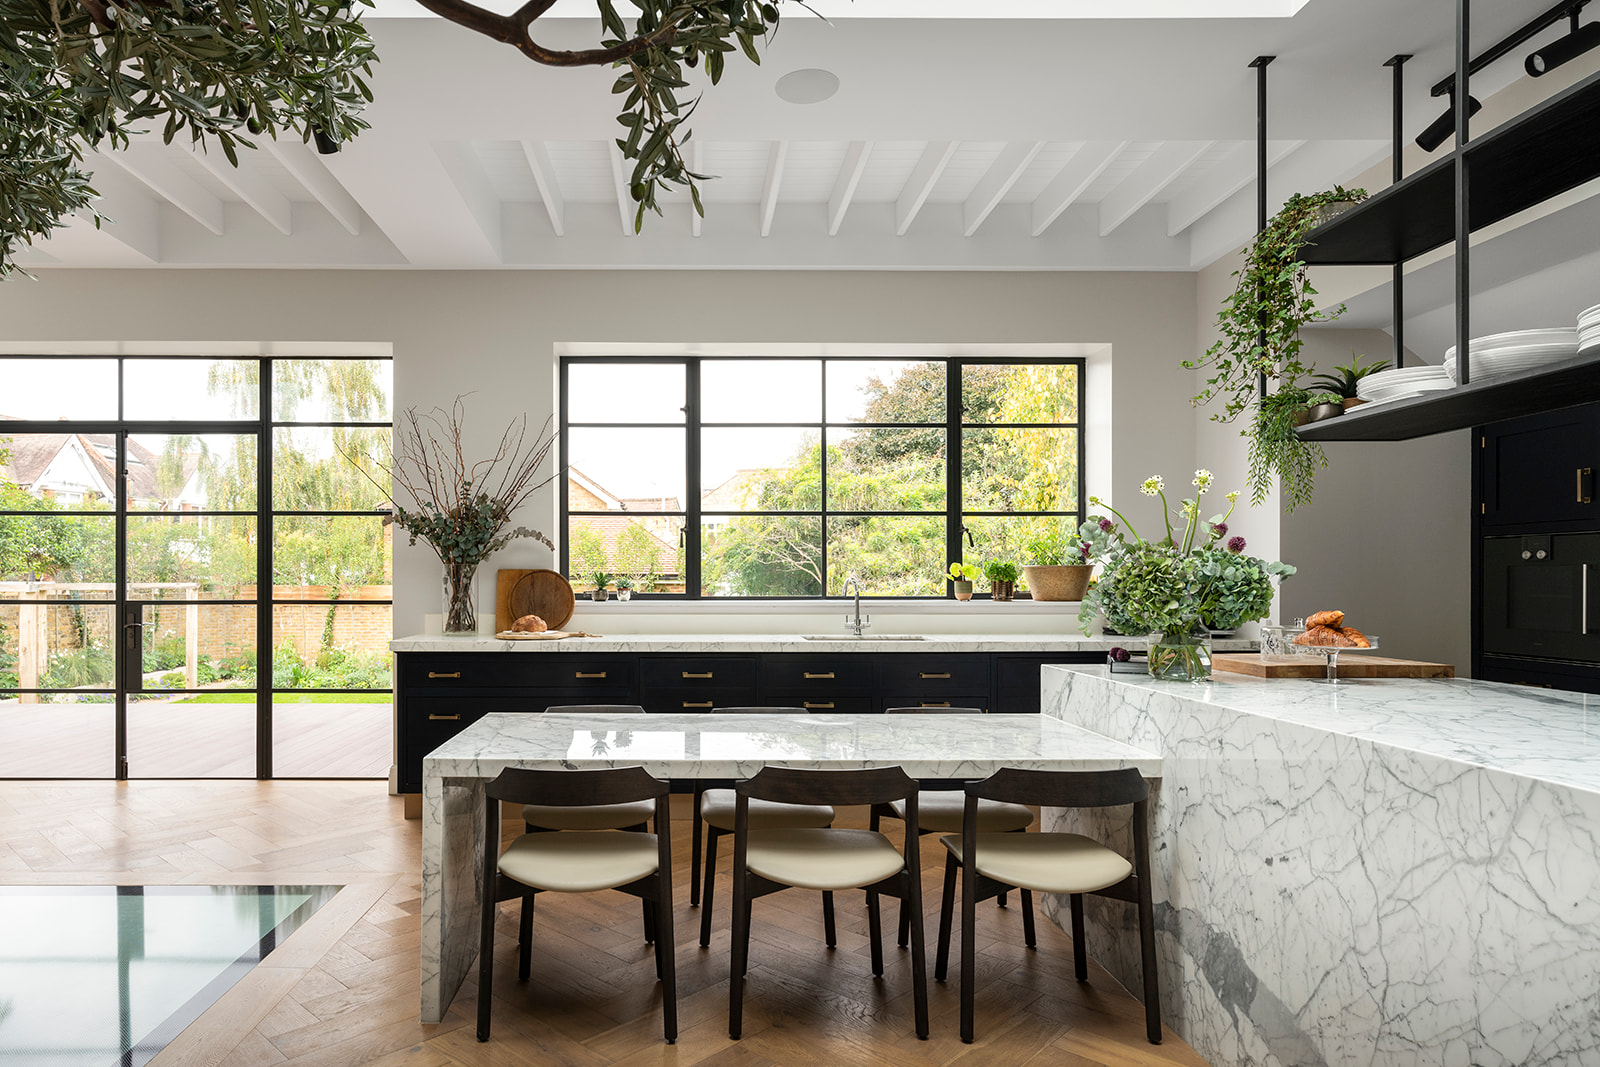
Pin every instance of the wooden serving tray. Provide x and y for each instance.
(543, 635)
(1362, 665)
(520, 592)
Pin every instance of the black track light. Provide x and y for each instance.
(1445, 126)
(1559, 51)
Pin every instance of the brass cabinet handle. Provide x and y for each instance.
(697, 703)
(444, 718)
(931, 674)
(935, 704)
(691, 674)
(819, 674)
(1585, 473)
(809, 704)
(596, 674)
(444, 674)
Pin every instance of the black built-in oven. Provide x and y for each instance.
(1541, 597)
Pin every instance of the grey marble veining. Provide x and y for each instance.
(1382, 872)
(690, 746)
(746, 642)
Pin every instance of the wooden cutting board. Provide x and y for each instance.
(544, 593)
(1356, 665)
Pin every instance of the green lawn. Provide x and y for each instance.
(234, 697)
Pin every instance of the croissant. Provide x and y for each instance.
(1357, 636)
(531, 624)
(1324, 635)
(1334, 619)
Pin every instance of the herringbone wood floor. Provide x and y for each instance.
(343, 990)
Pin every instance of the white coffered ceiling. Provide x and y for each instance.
(996, 143)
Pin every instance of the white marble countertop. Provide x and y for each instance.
(753, 642)
(1543, 734)
(735, 746)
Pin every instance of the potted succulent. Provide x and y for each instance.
(1060, 569)
(1346, 380)
(962, 575)
(1325, 406)
(1002, 579)
(601, 580)
(624, 588)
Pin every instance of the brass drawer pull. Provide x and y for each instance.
(596, 674)
(934, 704)
(697, 703)
(444, 718)
(444, 674)
(809, 704)
(691, 674)
(819, 674)
(931, 674)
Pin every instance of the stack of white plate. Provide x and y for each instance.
(1517, 352)
(1589, 329)
(1402, 382)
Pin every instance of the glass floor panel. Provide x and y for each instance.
(108, 975)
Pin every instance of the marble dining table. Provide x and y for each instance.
(696, 746)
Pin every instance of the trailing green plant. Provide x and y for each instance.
(1260, 320)
(1000, 571)
(1323, 398)
(1276, 451)
(1346, 379)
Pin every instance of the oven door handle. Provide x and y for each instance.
(1583, 601)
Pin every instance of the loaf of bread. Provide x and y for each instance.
(1334, 619)
(530, 624)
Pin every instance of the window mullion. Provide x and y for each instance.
(953, 408)
(692, 527)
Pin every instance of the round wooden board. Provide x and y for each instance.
(546, 594)
(542, 635)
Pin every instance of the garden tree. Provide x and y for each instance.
(79, 74)
(586, 548)
(635, 552)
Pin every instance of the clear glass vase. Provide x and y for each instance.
(1182, 654)
(460, 598)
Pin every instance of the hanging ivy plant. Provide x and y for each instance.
(1260, 320)
(1277, 451)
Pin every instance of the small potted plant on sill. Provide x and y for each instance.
(1060, 569)
(1002, 579)
(601, 581)
(624, 588)
(962, 575)
(1346, 380)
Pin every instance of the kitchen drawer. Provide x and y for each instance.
(698, 672)
(1014, 669)
(1017, 700)
(857, 702)
(427, 721)
(952, 673)
(893, 699)
(674, 699)
(817, 673)
(503, 670)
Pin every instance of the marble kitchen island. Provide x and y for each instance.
(1385, 871)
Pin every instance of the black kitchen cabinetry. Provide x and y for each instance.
(439, 694)
(1538, 471)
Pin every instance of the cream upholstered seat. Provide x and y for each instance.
(579, 861)
(716, 806)
(989, 863)
(827, 859)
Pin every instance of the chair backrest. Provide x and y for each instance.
(1063, 789)
(795, 785)
(760, 711)
(597, 709)
(943, 710)
(613, 785)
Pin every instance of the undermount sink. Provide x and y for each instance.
(864, 637)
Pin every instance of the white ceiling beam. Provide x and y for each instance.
(163, 178)
(466, 171)
(248, 186)
(1227, 176)
(1163, 167)
(777, 155)
(619, 186)
(131, 215)
(923, 178)
(544, 176)
(426, 199)
(1079, 172)
(996, 182)
(844, 186)
(696, 164)
(304, 167)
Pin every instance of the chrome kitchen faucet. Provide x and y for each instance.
(859, 623)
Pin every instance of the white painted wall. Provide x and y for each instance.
(493, 334)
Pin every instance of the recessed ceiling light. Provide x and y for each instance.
(809, 85)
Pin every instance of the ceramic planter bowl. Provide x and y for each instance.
(1067, 582)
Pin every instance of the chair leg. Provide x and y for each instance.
(694, 849)
(1080, 952)
(1000, 901)
(1027, 920)
(829, 934)
(706, 891)
(649, 924)
(969, 966)
(874, 933)
(919, 955)
(1147, 952)
(904, 933)
(947, 905)
(739, 957)
(525, 939)
(486, 958)
(666, 959)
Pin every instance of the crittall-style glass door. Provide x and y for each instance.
(194, 578)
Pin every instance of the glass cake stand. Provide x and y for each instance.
(1332, 654)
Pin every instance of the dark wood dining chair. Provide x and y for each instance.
(714, 808)
(940, 811)
(1069, 864)
(827, 859)
(576, 861)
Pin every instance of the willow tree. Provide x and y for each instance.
(77, 75)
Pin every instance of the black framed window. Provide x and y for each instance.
(715, 477)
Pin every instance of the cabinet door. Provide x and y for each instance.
(1540, 469)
